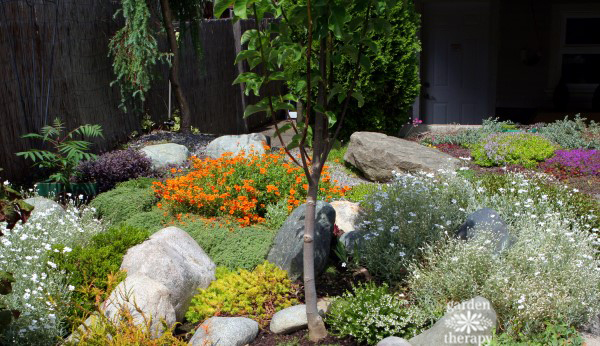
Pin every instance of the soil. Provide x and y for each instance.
(299, 338)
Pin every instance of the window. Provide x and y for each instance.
(580, 49)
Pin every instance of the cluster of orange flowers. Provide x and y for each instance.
(240, 186)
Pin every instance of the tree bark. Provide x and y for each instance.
(316, 326)
(186, 119)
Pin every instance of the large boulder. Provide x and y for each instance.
(471, 322)
(236, 143)
(287, 248)
(164, 155)
(43, 207)
(149, 302)
(486, 220)
(163, 274)
(174, 259)
(346, 215)
(225, 331)
(376, 155)
(393, 341)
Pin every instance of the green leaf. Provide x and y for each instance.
(359, 97)
(220, 6)
(337, 18)
(331, 118)
(282, 129)
(239, 8)
(246, 54)
(251, 109)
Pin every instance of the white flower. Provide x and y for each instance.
(52, 264)
(71, 287)
(402, 254)
(67, 249)
(6, 183)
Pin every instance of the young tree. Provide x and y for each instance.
(135, 49)
(302, 42)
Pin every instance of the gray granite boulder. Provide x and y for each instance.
(486, 220)
(287, 248)
(236, 143)
(174, 259)
(44, 206)
(393, 341)
(225, 331)
(168, 154)
(376, 155)
(346, 215)
(468, 323)
(147, 300)
(294, 318)
(163, 274)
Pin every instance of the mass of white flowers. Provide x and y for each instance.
(41, 290)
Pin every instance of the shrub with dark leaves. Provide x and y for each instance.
(114, 167)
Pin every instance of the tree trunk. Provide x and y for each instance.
(186, 120)
(316, 326)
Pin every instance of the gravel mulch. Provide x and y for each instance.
(196, 143)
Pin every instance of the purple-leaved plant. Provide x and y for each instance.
(114, 167)
(583, 161)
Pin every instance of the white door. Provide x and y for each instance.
(456, 68)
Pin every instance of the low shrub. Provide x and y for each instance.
(276, 215)
(233, 248)
(125, 331)
(400, 219)
(123, 202)
(573, 134)
(113, 167)
(358, 193)
(576, 162)
(41, 288)
(91, 265)
(525, 149)
(517, 196)
(469, 137)
(554, 334)
(369, 314)
(239, 187)
(152, 221)
(549, 274)
(256, 295)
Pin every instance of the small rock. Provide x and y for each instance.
(377, 155)
(42, 205)
(468, 323)
(236, 143)
(393, 341)
(346, 215)
(486, 220)
(294, 318)
(287, 248)
(225, 331)
(163, 155)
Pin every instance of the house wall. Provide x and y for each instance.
(525, 29)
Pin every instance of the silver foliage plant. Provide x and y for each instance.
(550, 274)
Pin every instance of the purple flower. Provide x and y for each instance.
(584, 160)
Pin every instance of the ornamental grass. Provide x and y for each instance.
(240, 186)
